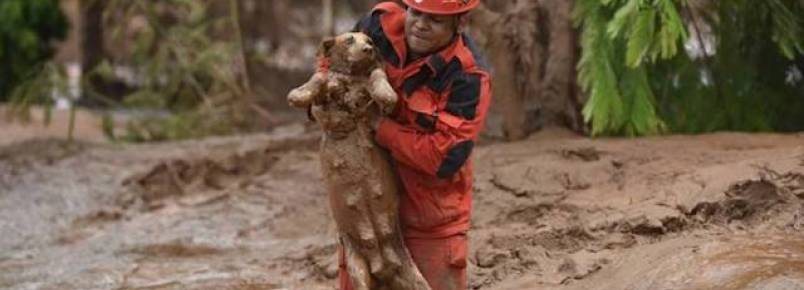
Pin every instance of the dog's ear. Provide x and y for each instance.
(326, 47)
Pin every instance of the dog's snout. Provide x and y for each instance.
(368, 49)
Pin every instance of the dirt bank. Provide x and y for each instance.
(87, 126)
(555, 211)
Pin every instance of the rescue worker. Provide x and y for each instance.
(445, 91)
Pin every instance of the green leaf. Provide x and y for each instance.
(640, 38)
(623, 18)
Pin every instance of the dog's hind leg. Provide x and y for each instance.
(363, 226)
(356, 266)
(387, 228)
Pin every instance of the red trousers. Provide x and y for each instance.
(441, 261)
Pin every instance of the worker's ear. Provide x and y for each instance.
(326, 47)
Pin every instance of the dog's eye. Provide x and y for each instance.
(350, 40)
(369, 42)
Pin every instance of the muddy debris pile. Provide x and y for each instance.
(752, 201)
(553, 241)
(182, 178)
(568, 211)
(199, 181)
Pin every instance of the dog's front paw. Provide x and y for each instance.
(304, 96)
(301, 97)
(382, 92)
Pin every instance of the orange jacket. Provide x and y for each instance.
(442, 108)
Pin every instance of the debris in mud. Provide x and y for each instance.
(673, 224)
(542, 251)
(572, 182)
(793, 183)
(326, 265)
(489, 257)
(533, 182)
(518, 192)
(529, 215)
(101, 216)
(618, 174)
(176, 249)
(72, 237)
(586, 154)
(744, 201)
(642, 226)
(533, 215)
(316, 262)
(747, 202)
(275, 232)
(573, 269)
(618, 241)
(555, 256)
(562, 256)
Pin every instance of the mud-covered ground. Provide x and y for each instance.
(556, 211)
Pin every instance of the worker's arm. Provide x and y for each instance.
(445, 150)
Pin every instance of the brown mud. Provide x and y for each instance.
(555, 211)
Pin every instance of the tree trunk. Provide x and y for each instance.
(560, 104)
(532, 48)
(511, 42)
(328, 18)
(91, 48)
(270, 27)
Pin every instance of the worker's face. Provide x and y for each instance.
(427, 33)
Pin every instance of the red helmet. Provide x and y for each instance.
(442, 7)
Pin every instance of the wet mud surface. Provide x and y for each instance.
(556, 211)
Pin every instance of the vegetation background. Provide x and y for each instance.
(567, 208)
(188, 69)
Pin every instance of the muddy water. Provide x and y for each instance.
(553, 212)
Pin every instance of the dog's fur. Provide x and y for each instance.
(362, 185)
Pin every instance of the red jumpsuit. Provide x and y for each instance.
(443, 103)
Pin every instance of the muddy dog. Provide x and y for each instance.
(362, 186)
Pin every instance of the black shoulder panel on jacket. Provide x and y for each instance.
(456, 158)
(425, 121)
(465, 96)
(446, 73)
(480, 60)
(415, 81)
(372, 26)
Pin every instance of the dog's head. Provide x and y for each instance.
(351, 53)
(357, 89)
